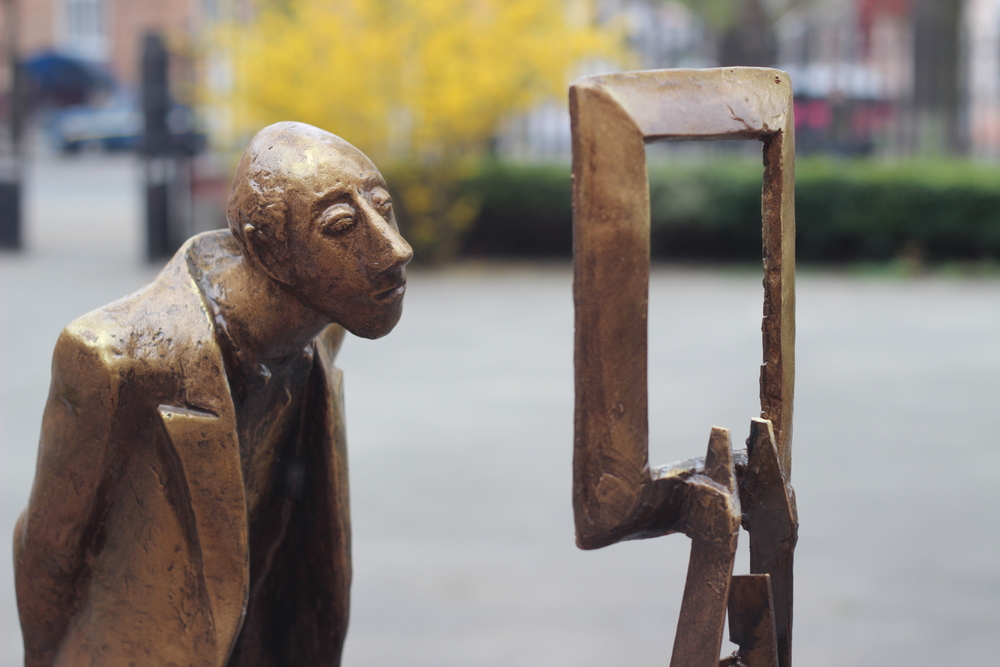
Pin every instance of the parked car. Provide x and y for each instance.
(117, 125)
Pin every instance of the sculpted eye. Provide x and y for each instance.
(336, 219)
(382, 202)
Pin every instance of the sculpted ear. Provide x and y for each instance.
(265, 251)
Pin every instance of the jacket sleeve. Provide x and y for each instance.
(53, 534)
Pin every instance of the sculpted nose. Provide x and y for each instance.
(401, 251)
(392, 250)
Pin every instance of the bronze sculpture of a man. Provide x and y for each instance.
(190, 503)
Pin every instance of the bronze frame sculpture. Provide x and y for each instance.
(616, 494)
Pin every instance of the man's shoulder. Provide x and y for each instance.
(160, 320)
(209, 250)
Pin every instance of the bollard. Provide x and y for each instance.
(161, 163)
(10, 164)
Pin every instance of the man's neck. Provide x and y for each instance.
(265, 322)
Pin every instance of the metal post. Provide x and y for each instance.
(10, 162)
(156, 147)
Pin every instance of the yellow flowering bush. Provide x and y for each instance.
(419, 85)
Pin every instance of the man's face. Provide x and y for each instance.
(347, 256)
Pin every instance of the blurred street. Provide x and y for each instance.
(460, 430)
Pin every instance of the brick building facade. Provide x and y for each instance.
(109, 32)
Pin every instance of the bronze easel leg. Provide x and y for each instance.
(710, 568)
(769, 507)
(751, 622)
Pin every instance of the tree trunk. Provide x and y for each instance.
(937, 71)
(750, 40)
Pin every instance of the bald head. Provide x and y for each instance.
(284, 164)
(313, 214)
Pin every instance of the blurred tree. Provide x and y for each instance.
(419, 85)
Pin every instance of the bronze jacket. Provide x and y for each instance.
(134, 547)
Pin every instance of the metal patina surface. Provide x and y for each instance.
(190, 504)
(616, 494)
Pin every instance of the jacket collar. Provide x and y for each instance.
(202, 433)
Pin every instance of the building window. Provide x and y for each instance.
(85, 28)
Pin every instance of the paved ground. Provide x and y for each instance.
(460, 425)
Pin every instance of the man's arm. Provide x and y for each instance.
(63, 511)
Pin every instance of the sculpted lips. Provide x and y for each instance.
(395, 277)
(392, 292)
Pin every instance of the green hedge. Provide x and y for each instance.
(846, 210)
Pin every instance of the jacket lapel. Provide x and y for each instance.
(202, 432)
(209, 453)
(334, 445)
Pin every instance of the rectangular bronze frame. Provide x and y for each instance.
(613, 117)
